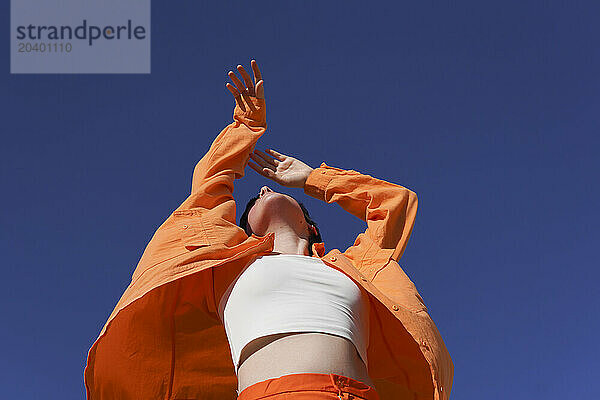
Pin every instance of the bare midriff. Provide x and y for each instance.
(299, 352)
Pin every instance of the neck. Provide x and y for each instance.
(287, 241)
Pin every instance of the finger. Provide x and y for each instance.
(279, 156)
(262, 162)
(246, 97)
(260, 89)
(267, 158)
(256, 168)
(256, 71)
(263, 171)
(236, 94)
(238, 84)
(247, 79)
(232, 89)
(242, 89)
(270, 174)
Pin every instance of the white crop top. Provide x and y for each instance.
(293, 293)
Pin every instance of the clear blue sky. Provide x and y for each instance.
(490, 113)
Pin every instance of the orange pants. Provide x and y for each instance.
(309, 387)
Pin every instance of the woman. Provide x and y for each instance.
(319, 346)
(260, 308)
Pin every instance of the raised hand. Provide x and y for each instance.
(248, 88)
(285, 170)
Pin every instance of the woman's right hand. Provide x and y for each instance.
(285, 170)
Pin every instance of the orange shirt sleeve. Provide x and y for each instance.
(388, 209)
(214, 174)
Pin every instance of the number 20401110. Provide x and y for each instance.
(26, 47)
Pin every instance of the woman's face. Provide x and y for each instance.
(273, 209)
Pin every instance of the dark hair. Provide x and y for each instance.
(312, 238)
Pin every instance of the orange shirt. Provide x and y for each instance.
(164, 339)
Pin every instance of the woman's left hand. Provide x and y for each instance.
(285, 170)
(247, 88)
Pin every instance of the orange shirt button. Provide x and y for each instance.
(395, 307)
(185, 227)
(333, 258)
(323, 172)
